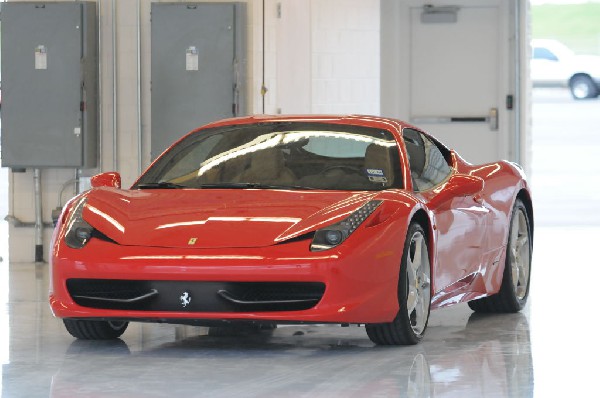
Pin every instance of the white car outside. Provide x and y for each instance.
(554, 65)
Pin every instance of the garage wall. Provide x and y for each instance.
(327, 57)
(320, 56)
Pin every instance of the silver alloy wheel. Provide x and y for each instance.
(581, 89)
(520, 254)
(419, 282)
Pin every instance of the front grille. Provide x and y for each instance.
(195, 296)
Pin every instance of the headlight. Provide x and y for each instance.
(79, 231)
(335, 234)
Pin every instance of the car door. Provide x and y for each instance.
(459, 222)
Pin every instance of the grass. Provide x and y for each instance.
(576, 25)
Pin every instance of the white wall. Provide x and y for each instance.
(327, 57)
(345, 56)
(335, 45)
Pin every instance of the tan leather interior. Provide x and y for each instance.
(268, 166)
(379, 157)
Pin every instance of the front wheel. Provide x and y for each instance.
(414, 295)
(95, 330)
(514, 290)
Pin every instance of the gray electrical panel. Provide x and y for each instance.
(49, 84)
(198, 67)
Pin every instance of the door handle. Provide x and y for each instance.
(491, 118)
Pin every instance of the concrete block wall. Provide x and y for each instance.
(337, 71)
(328, 56)
(345, 56)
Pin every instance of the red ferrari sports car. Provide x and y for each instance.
(295, 219)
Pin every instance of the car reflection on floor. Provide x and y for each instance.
(305, 361)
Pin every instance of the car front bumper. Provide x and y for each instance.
(359, 282)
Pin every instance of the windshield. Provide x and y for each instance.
(280, 155)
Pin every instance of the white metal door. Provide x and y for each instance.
(459, 77)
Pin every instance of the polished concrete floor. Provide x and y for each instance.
(550, 349)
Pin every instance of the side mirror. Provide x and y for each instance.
(458, 185)
(110, 179)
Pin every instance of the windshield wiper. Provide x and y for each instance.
(251, 185)
(160, 185)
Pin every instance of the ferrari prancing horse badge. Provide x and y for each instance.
(185, 299)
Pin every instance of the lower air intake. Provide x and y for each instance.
(195, 296)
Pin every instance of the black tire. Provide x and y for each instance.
(408, 327)
(511, 297)
(583, 87)
(95, 330)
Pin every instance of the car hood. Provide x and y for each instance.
(210, 218)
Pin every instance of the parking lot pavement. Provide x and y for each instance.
(565, 162)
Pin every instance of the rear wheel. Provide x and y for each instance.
(95, 330)
(582, 87)
(414, 295)
(514, 290)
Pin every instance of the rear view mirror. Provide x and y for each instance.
(110, 179)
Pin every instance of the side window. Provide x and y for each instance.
(544, 53)
(428, 165)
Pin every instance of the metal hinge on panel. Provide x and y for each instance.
(236, 88)
(278, 10)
